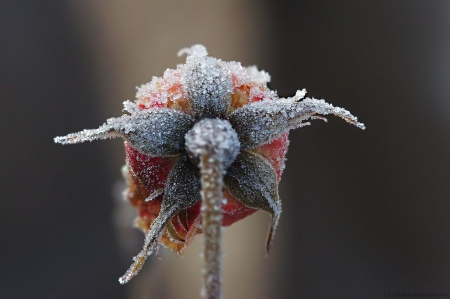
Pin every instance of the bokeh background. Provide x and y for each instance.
(365, 213)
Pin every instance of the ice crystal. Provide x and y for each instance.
(258, 76)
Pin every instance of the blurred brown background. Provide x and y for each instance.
(364, 213)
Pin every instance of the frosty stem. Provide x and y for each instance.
(213, 145)
(212, 183)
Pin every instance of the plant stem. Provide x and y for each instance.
(213, 145)
(212, 182)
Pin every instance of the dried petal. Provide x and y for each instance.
(261, 122)
(233, 210)
(154, 132)
(182, 191)
(252, 180)
(173, 233)
(183, 219)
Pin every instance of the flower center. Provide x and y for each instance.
(213, 137)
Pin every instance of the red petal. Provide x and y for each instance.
(233, 210)
(275, 152)
(150, 210)
(151, 171)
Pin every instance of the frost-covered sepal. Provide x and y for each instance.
(155, 132)
(252, 180)
(207, 82)
(183, 186)
(182, 191)
(260, 123)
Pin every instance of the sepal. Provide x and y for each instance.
(182, 191)
(260, 123)
(252, 181)
(156, 132)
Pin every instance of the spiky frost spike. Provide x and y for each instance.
(252, 180)
(260, 123)
(182, 191)
(154, 132)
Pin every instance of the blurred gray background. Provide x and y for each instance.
(364, 213)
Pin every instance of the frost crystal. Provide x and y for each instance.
(258, 76)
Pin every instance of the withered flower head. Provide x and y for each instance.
(165, 131)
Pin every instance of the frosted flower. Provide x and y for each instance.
(165, 130)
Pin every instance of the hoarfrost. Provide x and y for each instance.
(151, 91)
(165, 92)
(258, 76)
(239, 73)
(195, 50)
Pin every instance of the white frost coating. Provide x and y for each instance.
(300, 94)
(259, 76)
(260, 123)
(239, 73)
(207, 83)
(152, 90)
(155, 132)
(130, 107)
(160, 91)
(266, 94)
(195, 50)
